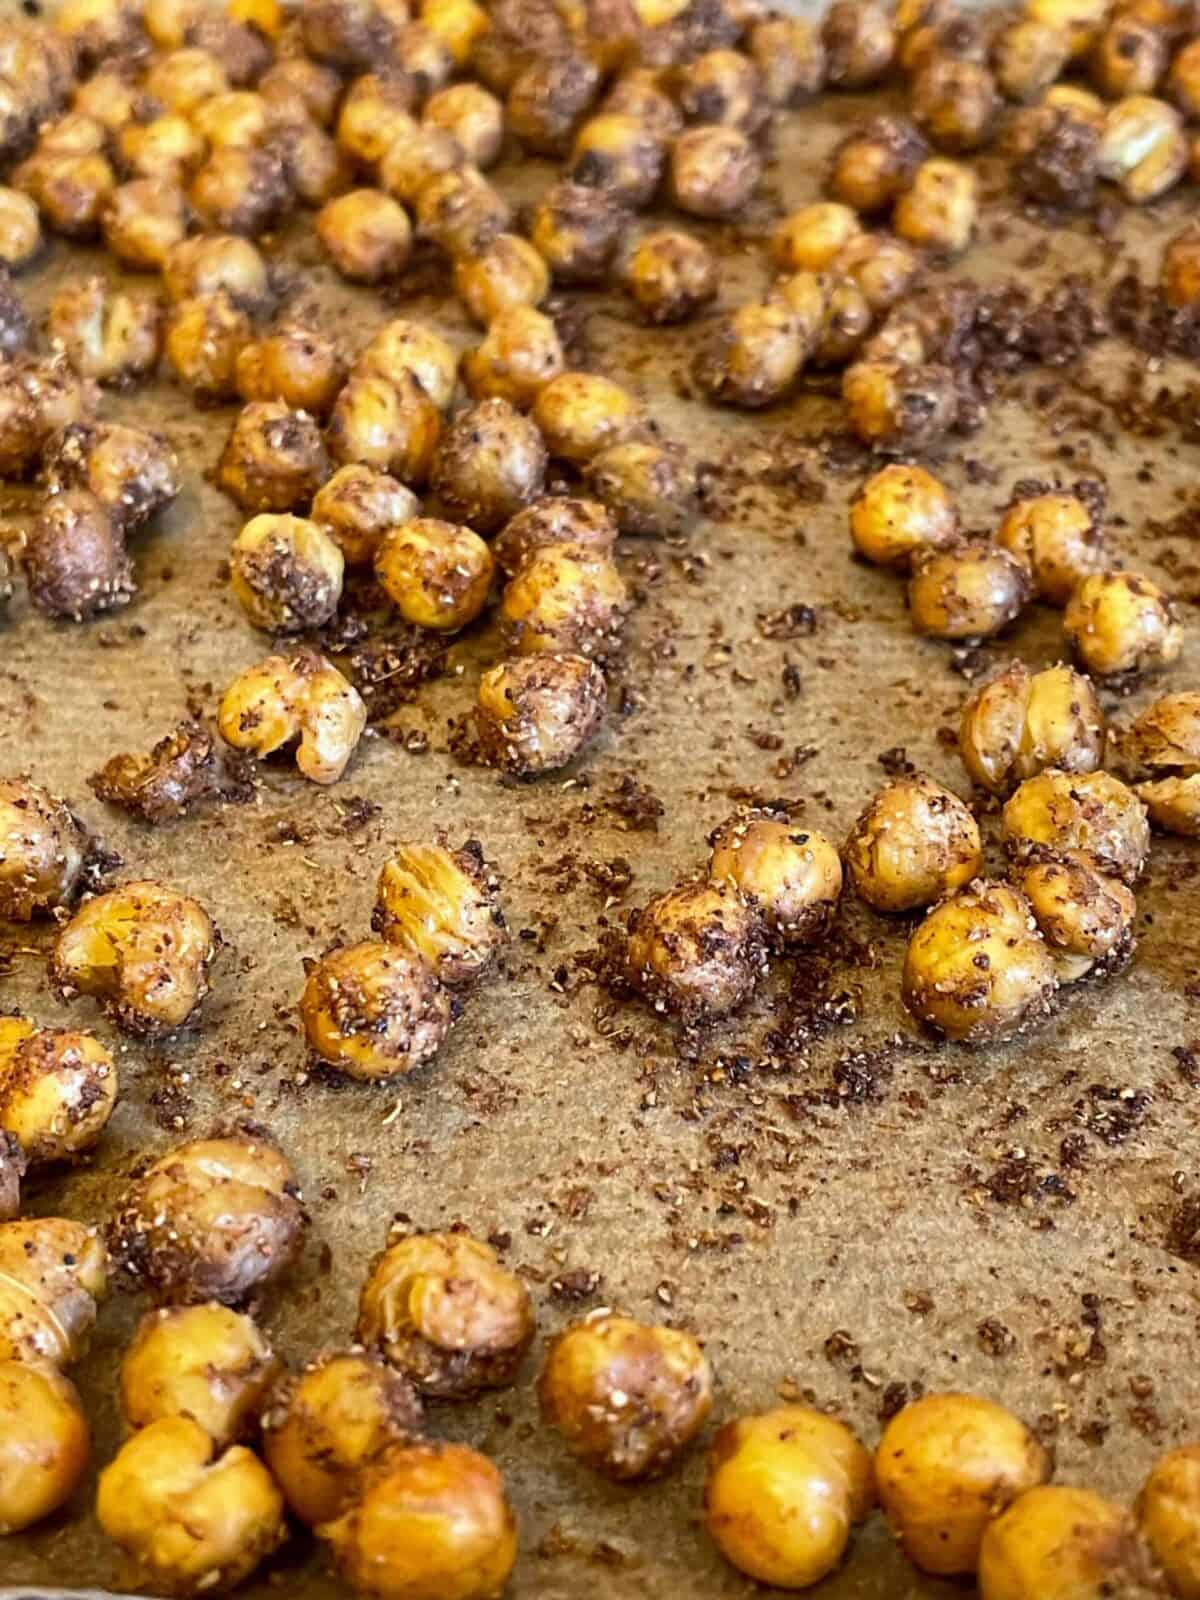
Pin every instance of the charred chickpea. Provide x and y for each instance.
(55, 1272)
(20, 229)
(431, 1521)
(670, 276)
(489, 462)
(1091, 814)
(901, 512)
(205, 1362)
(425, 57)
(554, 520)
(619, 156)
(1056, 155)
(581, 413)
(1180, 275)
(1168, 1516)
(274, 459)
(57, 1090)
(133, 473)
(954, 103)
(204, 338)
(373, 1011)
(443, 906)
(358, 506)
(71, 191)
(946, 1464)
(182, 79)
(37, 398)
(1119, 623)
(375, 113)
(564, 599)
(519, 356)
(472, 117)
(752, 356)
(696, 951)
(459, 212)
(723, 86)
(576, 230)
(1183, 80)
(507, 273)
(190, 1518)
(75, 559)
(860, 41)
(107, 335)
(1060, 1543)
(1028, 56)
(218, 263)
(241, 191)
(1085, 915)
(417, 158)
(437, 574)
(782, 1491)
(896, 406)
(1019, 723)
(792, 874)
(874, 165)
(1080, 20)
(939, 212)
(914, 843)
(627, 1397)
(969, 590)
(1130, 57)
(811, 239)
(169, 148)
(388, 424)
(713, 171)
(45, 1442)
(316, 169)
(302, 697)
(43, 851)
(402, 346)
(790, 56)
(537, 713)
(548, 99)
(143, 222)
(648, 487)
(292, 365)
(1143, 147)
(286, 573)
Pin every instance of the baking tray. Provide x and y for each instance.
(842, 1209)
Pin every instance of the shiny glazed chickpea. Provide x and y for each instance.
(945, 1466)
(20, 229)
(792, 874)
(581, 413)
(565, 599)
(107, 335)
(437, 574)
(713, 171)
(537, 713)
(1168, 1515)
(403, 347)
(1090, 813)
(750, 357)
(489, 463)
(358, 506)
(205, 1362)
(192, 1520)
(576, 230)
(670, 276)
(43, 851)
(373, 1011)
(274, 460)
(302, 697)
(1060, 1543)
(75, 559)
(52, 1273)
(873, 166)
(901, 512)
(627, 1397)
(554, 520)
(1058, 538)
(1143, 148)
(977, 969)
(860, 42)
(620, 156)
(811, 239)
(286, 573)
(443, 907)
(293, 365)
(781, 1493)
(1019, 723)
(507, 273)
(914, 843)
(391, 425)
(1029, 56)
(143, 222)
(45, 1442)
(1120, 623)
(205, 335)
(970, 590)
(218, 263)
(1084, 915)
(695, 951)
(519, 356)
(57, 1090)
(648, 487)
(215, 1219)
(367, 235)
(897, 406)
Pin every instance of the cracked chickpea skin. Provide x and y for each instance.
(901, 512)
(43, 851)
(1058, 537)
(57, 1090)
(1086, 916)
(374, 1011)
(217, 263)
(1120, 625)
(205, 1362)
(792, 874)
(443, 906)
(1092, 814)
(1143, 148)
(1019, 723)
(404, 347)
(53, 1273)
(554, 520)
(286, 573)
(134, 474)
(437, 574)
(301, 699)
(358, 506)
(914, 843)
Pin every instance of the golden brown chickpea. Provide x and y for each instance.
(900, 512)
(860, 40)
(393, 426)
(143, 222)
(895, 406)
(509, 272)
(1084, 915)
(458, 23)
(300, 697)
(1119, 623)
(406, 347)
(459, 211)
(43, 851)
(295, 78)
(1168, 1514)
(239, 118)
(1029, 56)
(752, 356)
(782, 1491)
(472, 117)
(564, 599)
(72, 135)
(416, 158)
(168, 22)
(945, 1466)
(940, 210)
(132, 473)
(181, 80)
(914, 843)
(241, 191)
(670, 276)
(143, 951)
(648, 487)
(443, 907)
(106, 335)
(351, 35)
(554, 520)
(870, 169)
(192, 1520)
(71, 191)
(52, 1273)
(1058, 537)
(20, 230)
(946, 30)
(1059, 1543)
(488, 463)
(373, 1011)
(696, 951)
(577, 230)
(1130, 57)
(1056, 155)
(1143, 148)
(1019, 723)
(535, 714)
(1080, 20)
(723, 86)
(811, 239)
(425, 57)
(1183, 80)
(1091, 814)
(375, 112)
(98, 28)
(292, 365)
(358, 506)
(790, 56)
(792, 874)
(639, 92)
(205, 336)
(432, 1523)
(45, 1442)
(437, 574)
(168, 149)
(845, 325)
(286, 573)
(75, 559)
(57, 1090)
(970, 590)
(548, 99)
(273, 460)
(581, 413)
(616, 154)
(1165, 738)
(215, 264)
(1180, 275)
(628, 1398)
(519, 356)
(714, 171)
(37, 398)
(205, 1362)
(315, 168)
(954, 103)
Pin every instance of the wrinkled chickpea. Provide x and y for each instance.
(535, 714)
(373, 1011)
(782, 1491)
(1029, 56)
(914, 843)
(940, 210)
(37, 398)
(203, 1361)
(1130, 57)
(286, 573)
(273, 460)
(375, 112)
(564, 599)
(1091, 814)
(954, 103)
(1119, 623)
(970, 590)
(391, 425)
(871, 168)
(294, 366)
(366, 234)
(43, 851)
(670, 276)
(106, 334)
(1143, 148)
(901, 512)
(713, 171)
(52, 1274)
(460, 211)
(143, 222)
(168, 149)
(316, 169)
(472, 117)
(792, 874)
(287, 698)
(1058, 537)
(489, 462)
(45, 1443)
(219, 263)
(358, 506)
(554, 520)
(417, 158)
(790, 56)
(617, 155)
(576, 230)
(406, 347)
(1165, 738)
(897, 406)
(443, 907)
(134, 474)
(639, 92)
(20, 229)
(437, 574)
(508, 272)
(75, 560)
(519, 356)
(205, 336)
(1060, 1543)
(696, 951)
(1019, 723)
(581, 413)
(57, 1090)
(1168, 1516)
(1084, 915)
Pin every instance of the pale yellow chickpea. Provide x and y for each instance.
(205, 1362)
(402, 346)
(1060, 1543)
(111, 96)
(472, 117)
(939, 212)
(375, 113)
(358, 506)
(169, 148)
(811, 239)
(205, 335)
(57, 1090)
(696, 951)
(292, 365)
(782, 1491)
(1143, 148)
(537, 713)
(181, 80)
(143, 221)
(1019, 723)
(1058, 537)
(168, 22)
(1168, 1515)
(1028, 56)
(1088, 813)
(900, 512)
(45, 1442)
(1086, 916)
(366, 234)
(373, 1011)
(792, 874)
(969, 590)
(437, 574)
(417, 158)
(1119, 623)
(1173, 804)
(914, 843)
(896, 405)
(304, 698)
(565, 599)
(43, 851)
(441, 905)
(286, 573)
(20, 229)
(218, 263)
(519, 356)
(581, 413)
(507, 273)
(52, 1274)
(391, 425)
(713, 171)
(489, 463)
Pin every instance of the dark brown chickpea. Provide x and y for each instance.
(134, 474)
(274, 459)
(860, 41)
(508, 272)
(366, 234)
(548, 100)
(43, 851)
(537, 713)
(352, 35)
(696, 951)
(1120, 624)
(205, 336)
(143, 221)
(1056, 156)
(790, 56)
(1130, 57)
(489, 462)
(373, 1011)
(460, 212)
(106, 334)
(75, 559)
(914, 843)
(617, 154)
(294, 365)
(241, 191)
(898, 407)
(577, 230)
(874, 165)
(1059, 538)
(750, 357)
(649, 487)
(670, 276)
(358, 506)
(1027, 57)
(970, 590)
(220, 262)
(714, 171)
(1019, 723)
(1091, 814)
(954, 103)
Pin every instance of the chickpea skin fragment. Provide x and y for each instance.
(286, 573)
(45, 1442)
(1120, 624)
(52, 1274)
(696, 951)
(1019, 723)
(793, 874)
(901, 512)
(205, 1362)
(1091, 813)
(57, 1090)
(43, 851)
(374, 1011)
(537, 713)
(914, 843)
(299, 697)
(782, 1491)
(1060, 1543)
(442, 906)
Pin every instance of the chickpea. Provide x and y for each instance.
(472, 117)
(52, 1273)
(375, 113)
(649, 488)
(811, 239)
(1166, 737)
(204, 338)
(670, 276)
(581, 413)
(509, 272)
(714, 171)
(286, 572)
(316, 169)
(317, 88)
(458, 23)
(914, 843)
(946, 31)
(98, 28)
(781, 1492)
(205, 1362)
(186, 766)
(1084, 915)
(303, 697)
(242, 191)
(425, 57)
(1143, 148)
(391, 425)
(896, 406)
(71, 191)
(565, 600)
(192, 1520)
(969, 590)
(432, 1523)
(751, 357)
(1056, 156)
(106, 335)
(1029, 56)
(577, 230)
(459, 211)
(358, 506)
(218, 263)
(1080, 20)
(940, 210)
(143, 221)
(416, 158)
(901, 512)
(181, 80)
(57, 1090)
(792, 874)
(696, 951)
(20, 230)
(488, 463)
(1119, 623)
(1019, 723)
(870, 169)
(639, 92)
(1130, 57)
(293, 366)
(437, 574)
(1168, 1520)
(168, 149)
(723, 87)
(1180, 275)
(374, 1011)
(37, 399)
(1059, 1543)
(45, 1442)
(1057, 536)
(132, 473)
(16, 329)
(954, 103)
(442, 906)
(537, 713)
(168, 22)
(43, 851)
(520, 355)
(75, 559)
(351, 35)
(1183, 80)
(790, 56)
(845, 324)
(548, 98)
(402, 346)
(616, 154)
(143, 951)
(1092, 814)
(238, 118)
(860, 41)
(554, 520)
(274, 460)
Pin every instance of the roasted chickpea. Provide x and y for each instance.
(424, 57)
(1056, 156)
(417, 158)
(901, 512)
(106, 334)
(297, 79)
(790, 56)
(432, 1523)
(183, 79)
(57, 1090)
(639, 92)
(43, 851)
(751, 357)
(143, 951)
(782, 1491)
(969, 590)
(437, 574)
(488, 463)
(20, 230)
(1143, 148)
(373, 1011)
(375, 113)
(458, 23)
(723, 87)
(1119, 624)
(351, 35)
(897, 406)
(1080, 20)
(292, 366)
(554, 520)
(460, 211)
(1165, 738)
(132, 473)
(443, 907)
(218, 263)
(845, 324)
(1168, 1514)
(954, 103)
(1058, 537)
(519, 356)
(239, 118)
(914, 843)
(1179, 279)
(1085, 915)
(274, 460)
(1092, 814)
(581, 413)
(670, 276)
(205, 1362)
(45, 1442)
(1130, 57)
(548, 99)
(616, 154)
(358, 506)
(98, 28)
(472, 117)
(648, 487)
(792, 874)
(811, 239)
(577, 231)
(860, 41)
(143, 222)
(509, 272)
(1059, 1543)
(301, 697)
(71, 191)
(535, 714)
(1183, 80)
(316, 169)
(37, 398)
(286, 572)
(75, 559)
(870, 169)
(940, 210)
(696, 951)
(16, 329)
(241, 191)
(52, 1273)
(1029, 56)
(392, 425)
(111, 96)
(1019, 723)
(714, 171)
(565, 600)
(168, 22)
(406, 347)
(204, 338)
(169, 149)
